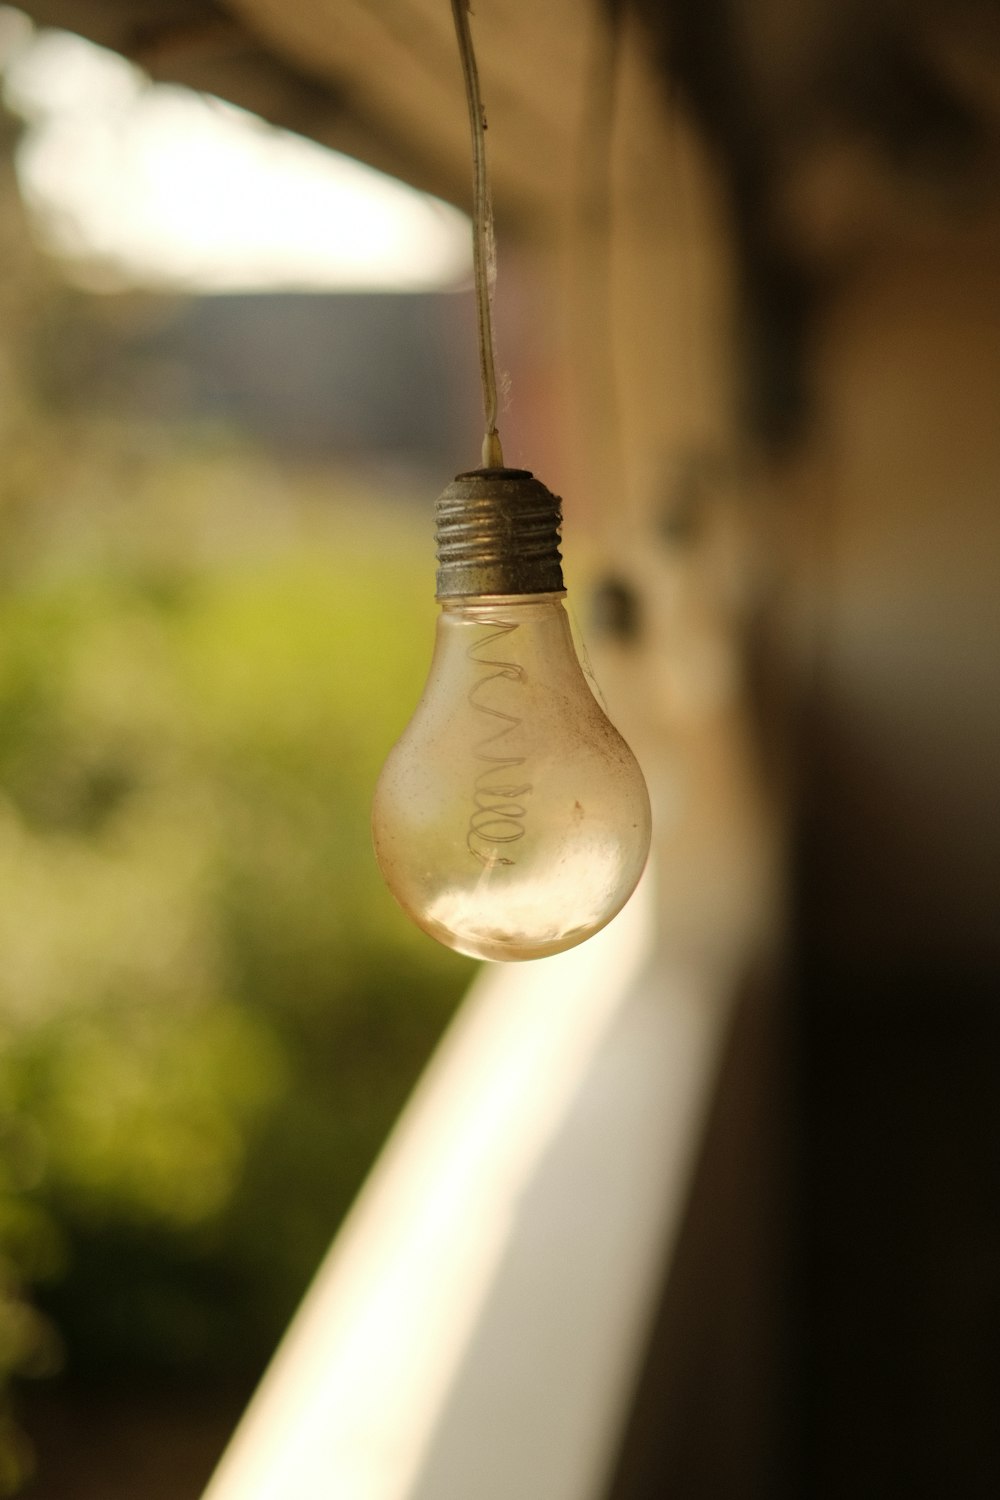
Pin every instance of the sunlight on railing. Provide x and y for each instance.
(476, 1326)
(353, 1393)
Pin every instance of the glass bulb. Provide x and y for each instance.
(511, 820)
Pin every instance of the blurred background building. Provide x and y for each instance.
(735, 1228)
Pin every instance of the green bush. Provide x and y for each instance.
(210, 1009)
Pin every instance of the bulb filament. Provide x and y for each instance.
(498, 809)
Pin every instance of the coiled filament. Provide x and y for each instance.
(498, 807)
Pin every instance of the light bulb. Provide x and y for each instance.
(511, 820)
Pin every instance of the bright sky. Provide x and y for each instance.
(137, 183)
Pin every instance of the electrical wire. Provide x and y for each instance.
(483, 247)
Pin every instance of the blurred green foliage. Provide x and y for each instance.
(210, 1009)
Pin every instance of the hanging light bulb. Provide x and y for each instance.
(511, 820)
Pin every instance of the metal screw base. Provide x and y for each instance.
(498, 533)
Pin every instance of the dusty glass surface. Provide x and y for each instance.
(511, 820)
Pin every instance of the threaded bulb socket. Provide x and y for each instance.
(497, 532)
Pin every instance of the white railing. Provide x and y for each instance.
(476, 1330)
